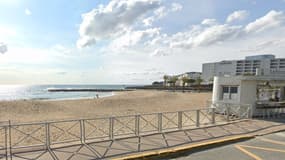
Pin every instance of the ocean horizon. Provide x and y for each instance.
(40, 92)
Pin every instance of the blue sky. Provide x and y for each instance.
(135, 41)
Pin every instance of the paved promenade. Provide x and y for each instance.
(149, 145)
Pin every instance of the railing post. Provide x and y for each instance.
(213, 115)
(10, 139)
(111, 128)
(137, 125)
(240, 112)
(197, 118)
(82, 131)
(159, 122)
(180, 120)
(47, 130)
(249, 111)
(6, 139)
(228, 113)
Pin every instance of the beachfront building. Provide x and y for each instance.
(263, 64)
(260, 92)
(190, 75)
(179, 78)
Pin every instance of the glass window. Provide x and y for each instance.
(225, 89)
(234, 89)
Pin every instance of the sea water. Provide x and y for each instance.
(40, 92)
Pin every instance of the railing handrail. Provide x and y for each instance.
(96, 118)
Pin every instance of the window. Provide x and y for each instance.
(229, 92)
(225, 89)
(234, 90)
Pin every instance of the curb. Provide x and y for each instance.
(192, 147)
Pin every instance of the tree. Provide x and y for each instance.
(190, 81)
(199, 81)
(173, 80)
(184, 81)
(165, 78)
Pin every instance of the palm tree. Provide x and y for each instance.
(165, 78)
(184, 81)
(174, 80)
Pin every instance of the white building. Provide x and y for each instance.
(264, 64)
(189, 75)
(259, 91)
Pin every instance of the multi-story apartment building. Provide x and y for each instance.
(252, 65)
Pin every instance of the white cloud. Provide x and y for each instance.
(237, 16)
(176, 7)
(217, 33)
(148, 21)
(211, 32)
(132, 38)
(28, 12)
(112, 19)
(209, 22)
(158, 53)
(162, 12)
(270, 20)
(3, 48)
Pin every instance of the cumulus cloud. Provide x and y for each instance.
(176, 7)
(3, 48)
(209, 22)
(162, 12)
(211, 32)
(270, 20)
(159, 53)
(113, 19)
(125, 35)
(205, 37)
(28, 12)
(131, 38)
(217, 33)
(237, 16)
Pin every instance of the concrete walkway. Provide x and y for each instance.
(160, 143)
(267, 147)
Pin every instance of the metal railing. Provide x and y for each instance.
(232, 110)
(270, 112)
(20, 137)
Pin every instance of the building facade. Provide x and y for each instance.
(189, 75)
(260, 64)
(258, 92)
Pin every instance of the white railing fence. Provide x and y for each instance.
(19, 137)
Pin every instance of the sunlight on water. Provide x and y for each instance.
(40, 92)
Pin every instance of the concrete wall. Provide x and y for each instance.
(248, 93)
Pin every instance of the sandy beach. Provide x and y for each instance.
(121, 103)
